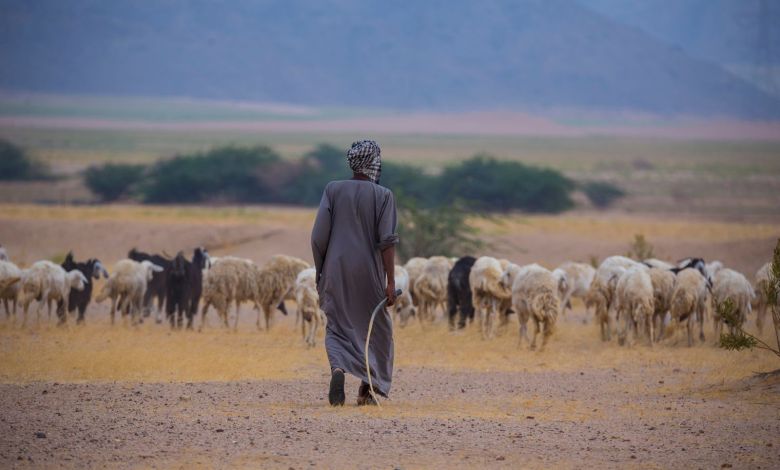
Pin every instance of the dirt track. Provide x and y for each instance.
(595, 418)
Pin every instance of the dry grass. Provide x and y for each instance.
(152, 353)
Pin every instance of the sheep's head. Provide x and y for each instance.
(563, 284)
(151, 268)
(99, 270)
(509, 275)
(201, 258)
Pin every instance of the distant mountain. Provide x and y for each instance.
(722, 31)
(432, 54)
(743, 36)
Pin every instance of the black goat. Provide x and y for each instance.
(156, 288)
(91, 269)
(459, 292)
(184, 287)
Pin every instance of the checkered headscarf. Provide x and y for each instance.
(365, 158)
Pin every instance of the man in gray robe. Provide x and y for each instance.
(353, 243)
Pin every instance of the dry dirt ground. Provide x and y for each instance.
(122, 396)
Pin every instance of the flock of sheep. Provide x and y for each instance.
(634, 298)
(631, 297)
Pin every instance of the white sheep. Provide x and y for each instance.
(663, 286)
(126, 287)
(487, 292)
(729, 284)
(307, 300)
(534, 296)
(239, 280)
(688, 302)
(229, 280)
(287, 269)
(635, 303)
(431, 287)
(48, 282)
(657, 263)
(761, 289)
(602, 290)
(574, 280)
(10, 293)
(404, 307)
(712, 268)
(414, 268)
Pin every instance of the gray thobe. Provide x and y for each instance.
(355, 222)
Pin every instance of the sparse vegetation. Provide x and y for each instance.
(113, 181)
(640, 248)
(16, 164)
(740, 339)
(428, 232)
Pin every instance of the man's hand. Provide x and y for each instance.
(390, 292)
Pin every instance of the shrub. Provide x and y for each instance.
(409, 182)
(640, 249)
(113, 181)
(427, 232)
(253, 174)
(15, 164)
(323, 164)
(601, 194)
(488, 184)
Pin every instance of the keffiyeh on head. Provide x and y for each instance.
(365, 158)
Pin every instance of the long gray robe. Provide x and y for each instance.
(355, 222)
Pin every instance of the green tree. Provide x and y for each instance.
(113, 181)
(16, 164)
(485, 183)
(234, 174)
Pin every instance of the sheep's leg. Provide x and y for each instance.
(25, 309)
(565, 302)
(536, 333)
(62, 316)
(701, 326)
(235, 323)
(547, 332)
(203, 315)
(689, 327)
(650, 322)
(268, 312)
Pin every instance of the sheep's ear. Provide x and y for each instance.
(156, 268)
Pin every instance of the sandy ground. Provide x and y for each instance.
(122, 396)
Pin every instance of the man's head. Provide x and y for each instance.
(365, 158)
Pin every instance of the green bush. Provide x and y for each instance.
(485, 183)
(234, 174)
(317, 168)
(113, 180)
(428, 232)
(15, 164)
(601, 194)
